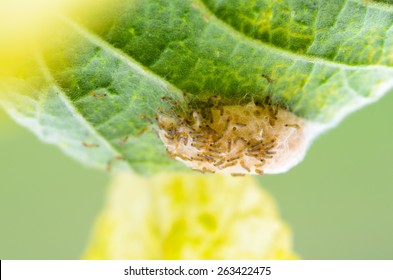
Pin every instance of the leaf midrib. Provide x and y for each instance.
(130, 62)
(51, 81)
(117, 53)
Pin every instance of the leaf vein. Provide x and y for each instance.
(204, 9)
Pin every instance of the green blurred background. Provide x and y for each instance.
(338, 201)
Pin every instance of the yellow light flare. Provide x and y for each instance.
(20, 20)
(30, 27)
(26, 24)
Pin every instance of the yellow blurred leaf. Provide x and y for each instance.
(188, 216)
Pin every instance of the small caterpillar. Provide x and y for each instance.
(90, 145)
(97, 95)
(123, 140)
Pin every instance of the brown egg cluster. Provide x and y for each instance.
(237, 140)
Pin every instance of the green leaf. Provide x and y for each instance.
(320, 59)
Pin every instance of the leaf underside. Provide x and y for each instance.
(86, 88)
